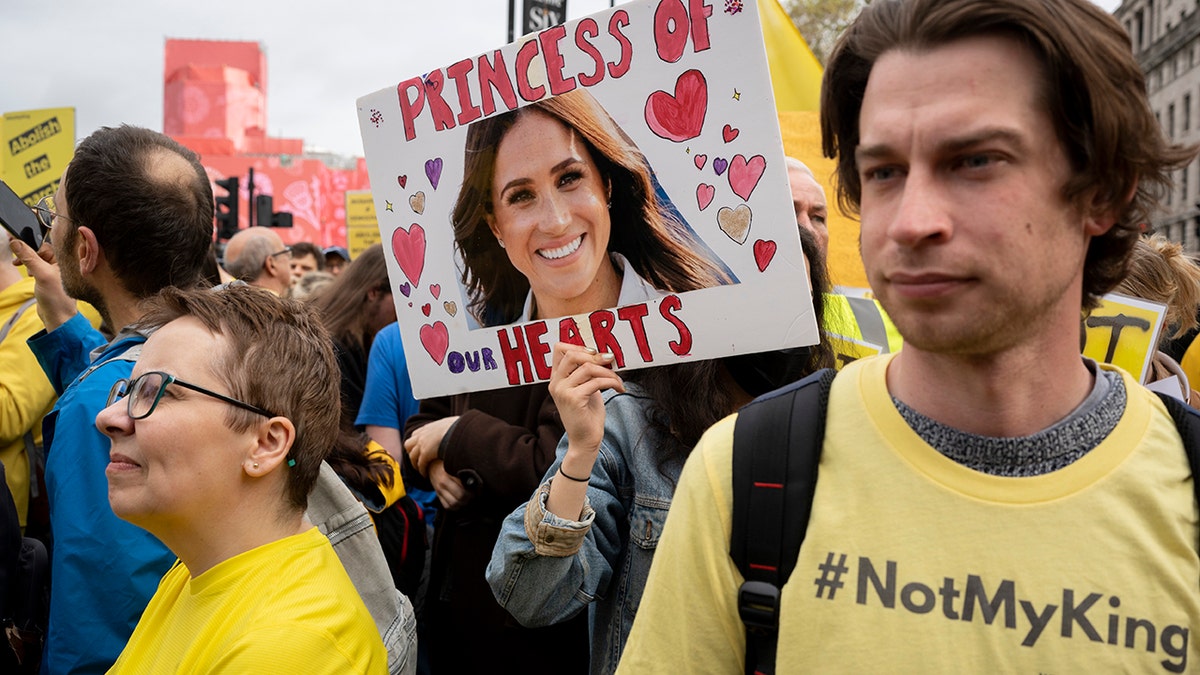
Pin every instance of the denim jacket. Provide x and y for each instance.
(546, 569)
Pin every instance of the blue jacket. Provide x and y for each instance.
(104, 569)
(627, 500)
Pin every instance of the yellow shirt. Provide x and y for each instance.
(284, 607)
(913, 563)
(25, 393)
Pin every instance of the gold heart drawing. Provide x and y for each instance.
(417, 202)
(735, 223)
(450, 307)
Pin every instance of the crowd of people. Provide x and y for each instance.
(220, 456)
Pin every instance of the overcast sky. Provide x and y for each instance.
(106, 59)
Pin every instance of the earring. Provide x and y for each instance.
(256, 465)
(501, 242)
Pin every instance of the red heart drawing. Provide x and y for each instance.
(402, 180)
(680, 117)
(436, 290)
(436, 339)
(704, 195)
(700, 161)
(425, 308)
(729, 133)
(409, 249)
(744, 174)
(764, 251)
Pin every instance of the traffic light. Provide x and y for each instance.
(227, 208)
(265, 214)
(263, 204)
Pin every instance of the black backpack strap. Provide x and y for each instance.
(1187, 421)
(772, 499)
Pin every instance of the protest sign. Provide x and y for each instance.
(663, 108)
(1124, 331)
(362, 227)
(38, 144)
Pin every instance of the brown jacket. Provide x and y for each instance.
(500, 448)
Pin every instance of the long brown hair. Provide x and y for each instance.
(362, 471)
(681, 419)
(342, 303)
(659, 247)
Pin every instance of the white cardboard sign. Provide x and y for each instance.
(679, 86)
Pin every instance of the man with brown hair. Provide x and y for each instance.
(986, 498)
(133, 215)
(306, 257)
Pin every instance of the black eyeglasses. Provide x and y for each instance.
(286, 249)
(47, 211)
(143, 393)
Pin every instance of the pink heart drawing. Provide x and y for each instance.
(402, 180)
(764, 251)
(729, 133)
(436, 339)
(433, 171)
(700, 160)
(680, 117)
(719, 165)
(435, 290)
(409, 249)
(405, 289)
(744, 174)
(704, 195)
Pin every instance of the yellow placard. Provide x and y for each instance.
(362, 227)
(37, 146)
(847, 349)
(1124, 331)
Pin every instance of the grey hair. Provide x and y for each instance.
(793, 163)
(249, 265)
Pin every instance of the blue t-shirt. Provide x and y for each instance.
(388, 399)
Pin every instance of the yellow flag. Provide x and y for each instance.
(795, 72)
(796, 80)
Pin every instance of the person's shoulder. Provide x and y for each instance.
(715, 447)
(389, 333)
(633, 397)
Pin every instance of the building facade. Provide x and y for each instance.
(1166, 39)
(215, 103)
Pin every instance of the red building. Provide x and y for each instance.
(215, 102)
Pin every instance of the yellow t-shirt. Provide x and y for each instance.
(914, 563)
(26, 395)
(284, 607)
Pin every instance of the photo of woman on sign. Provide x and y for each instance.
(558, 215)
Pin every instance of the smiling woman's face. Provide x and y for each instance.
(551, 216)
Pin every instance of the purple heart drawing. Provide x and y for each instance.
(720, 164)
(433, 169)
(405, 289)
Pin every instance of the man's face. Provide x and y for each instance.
(966, 238)
(278, 265)
(180, 463)
(63, 239)
(334, 264)
(303, 265)
(808, 198)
